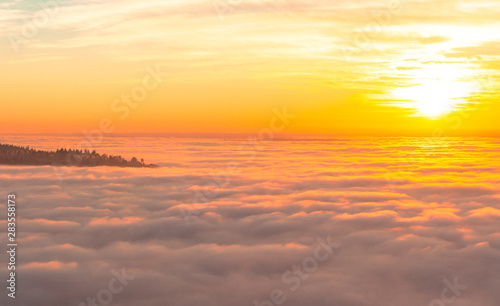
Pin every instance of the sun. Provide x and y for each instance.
(435, 89)
(433, 99)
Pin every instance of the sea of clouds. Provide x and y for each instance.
(347, 222)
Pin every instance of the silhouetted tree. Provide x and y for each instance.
(15, 155)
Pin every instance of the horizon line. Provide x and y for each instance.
(278, 136)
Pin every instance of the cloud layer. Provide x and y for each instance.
(220, 224)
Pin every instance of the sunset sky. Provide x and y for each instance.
(342, 67)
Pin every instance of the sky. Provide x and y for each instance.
(384, 67)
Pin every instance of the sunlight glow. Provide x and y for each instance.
(434, 99)
(439, 88)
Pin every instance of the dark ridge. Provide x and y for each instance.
(15, 155)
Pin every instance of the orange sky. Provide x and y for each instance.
(345, 67)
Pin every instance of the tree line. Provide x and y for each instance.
(17, 155)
